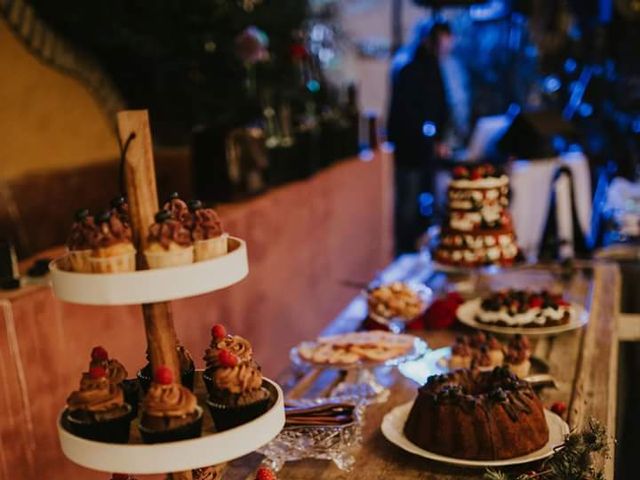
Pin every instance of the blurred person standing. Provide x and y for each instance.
(418, 115)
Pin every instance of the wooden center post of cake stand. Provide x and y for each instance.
(142, 196)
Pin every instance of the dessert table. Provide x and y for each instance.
(584, 364)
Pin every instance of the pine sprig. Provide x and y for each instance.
(571, 461)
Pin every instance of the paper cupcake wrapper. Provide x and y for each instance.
(109, 431)
(118, 263)
(187, 378)
(225, 417)
(172, 258)
(185, 432)
(211, 248)
(79, 260)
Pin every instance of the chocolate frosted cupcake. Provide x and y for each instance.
(170, 243)
(236, 394)
(98, 411)
(117, 374)
(210, 240)
(187, 370)
(79, 241)
(220, 340)
(179, 210)
(170, 412)
(111, 247)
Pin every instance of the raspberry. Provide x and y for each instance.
(536, 302)
(99, 354)
(97, 372)
(218, 331)
(460, 172)
(163, 376)
(265, 473)
(227, 359)
(559, 408)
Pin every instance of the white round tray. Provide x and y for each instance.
(393, 426)
(148, 286)
(210, 449)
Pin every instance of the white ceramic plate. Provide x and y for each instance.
(393, 425)
(466, 313)
(210, 449)
(148, 286)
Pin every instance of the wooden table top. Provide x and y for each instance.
(583, 363)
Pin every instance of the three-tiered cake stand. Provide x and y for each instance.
(154, 289)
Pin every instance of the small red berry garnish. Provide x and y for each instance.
(265, 473)
(476, 174)
(562, 303)
(536, 302)
(227, 359)
(163, 376)
(559, 408)
(97, 372)
(99, 354)
(218, 331)
(460, 172)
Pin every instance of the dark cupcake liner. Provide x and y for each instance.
(131, 389)
(208, 381)
(144, 377)
(226, 417)
(109, 431)
(185, 432)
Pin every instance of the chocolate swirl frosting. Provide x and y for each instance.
(81, 234)
(171, 400)
(95, 395)
(169, 231)
(206, 224)
(237, 345)
(244, 377)
(116, 373)
(179, 211)
(110, 232)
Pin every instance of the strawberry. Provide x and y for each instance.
(477, 173)
(535, 302)
(163, 375)
(227, 359)
(99, 354)
(559, 408)
(218, 331)
(265, 473)
(460, 172)
(97, 372)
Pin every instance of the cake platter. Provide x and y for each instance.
(211, 448)
(467, 311)
(148, 286)
(393, 426)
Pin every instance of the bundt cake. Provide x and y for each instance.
(477, 415)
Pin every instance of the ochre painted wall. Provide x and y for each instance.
(47, 120)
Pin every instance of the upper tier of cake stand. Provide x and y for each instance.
(210, 449)
(149, 286)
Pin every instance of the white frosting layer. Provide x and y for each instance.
(536, 316)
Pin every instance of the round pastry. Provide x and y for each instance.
(79, 241)
(98, 411)
(111, 247)
(523, 308)
(170, 412)
(478, 416)
(169, 244)
(209, 238)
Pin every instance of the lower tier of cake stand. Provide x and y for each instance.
(210, 449)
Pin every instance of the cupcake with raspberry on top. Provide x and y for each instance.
(221, 340)
(97, 410)
(117, 374)
(170, 412)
